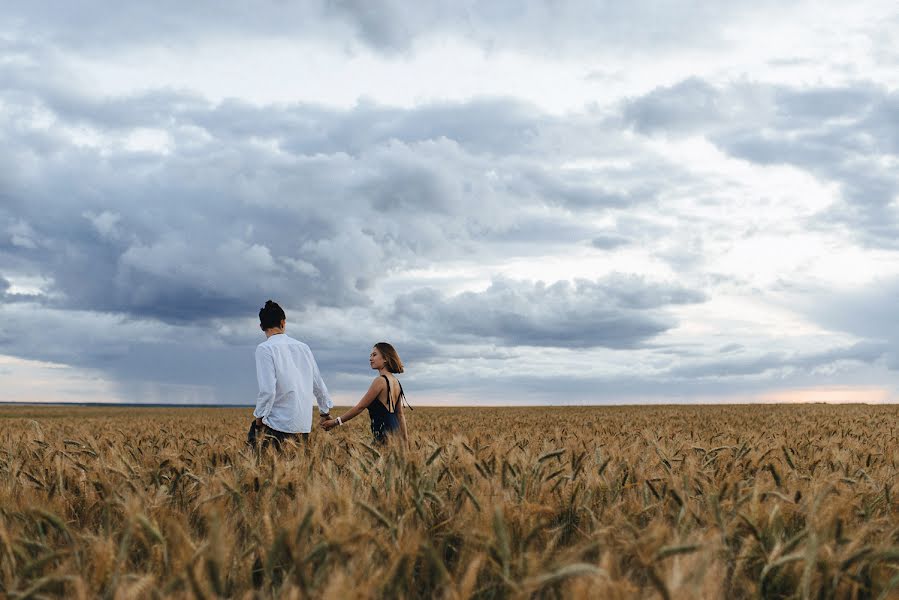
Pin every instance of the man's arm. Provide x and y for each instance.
(320, 390)
(265, 375)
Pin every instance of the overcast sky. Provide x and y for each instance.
(538, 202)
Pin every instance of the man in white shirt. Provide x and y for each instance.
(288, 380)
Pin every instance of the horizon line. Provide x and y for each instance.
(581, 405)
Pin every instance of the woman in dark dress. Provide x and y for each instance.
(384, 398)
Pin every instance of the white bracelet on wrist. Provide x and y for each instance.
(339, 421)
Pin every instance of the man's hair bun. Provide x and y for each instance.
(271, 315)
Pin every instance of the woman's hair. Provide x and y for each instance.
(391, 357)
(271, 315)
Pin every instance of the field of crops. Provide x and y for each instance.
(619, 502)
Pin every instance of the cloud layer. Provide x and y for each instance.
(707, 230)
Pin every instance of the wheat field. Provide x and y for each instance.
(601, 502)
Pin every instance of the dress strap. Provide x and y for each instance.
(390, 406)
(403, 395)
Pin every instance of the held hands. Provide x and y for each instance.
(326, 422)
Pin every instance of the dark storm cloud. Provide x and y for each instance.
(615, 312)
(489, 126)
(152, 260)
(314, 207)
(844, 134)
(141, 357)
(482, 125)
(249, 202)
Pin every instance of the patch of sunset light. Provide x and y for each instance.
(832, 395)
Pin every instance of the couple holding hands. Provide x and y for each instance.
(289, 379)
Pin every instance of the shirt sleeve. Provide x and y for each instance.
(265, 375)
(319, 389)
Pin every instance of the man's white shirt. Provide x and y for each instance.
(288, 381)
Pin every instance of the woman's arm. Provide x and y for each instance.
(374, 390)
